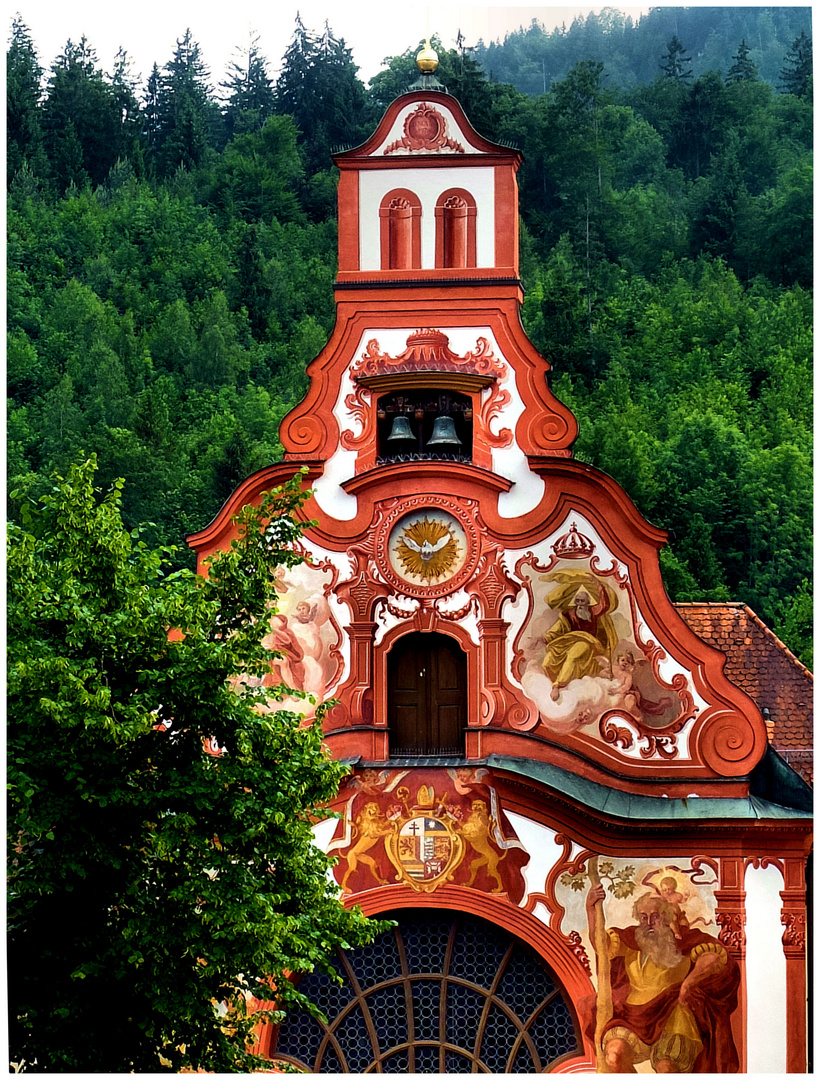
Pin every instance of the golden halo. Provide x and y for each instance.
(427, 549)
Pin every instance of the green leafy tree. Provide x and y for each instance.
(161, 863)
(795, 623)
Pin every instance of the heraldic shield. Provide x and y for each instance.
(425, 851)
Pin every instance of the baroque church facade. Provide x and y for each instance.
(592, 855)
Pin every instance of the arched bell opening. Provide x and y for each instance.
(445, 991)
(426, 696)
(424, 425)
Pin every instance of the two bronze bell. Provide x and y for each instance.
(444, 435)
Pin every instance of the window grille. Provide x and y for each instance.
(443, 992)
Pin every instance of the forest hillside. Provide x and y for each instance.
(172, 245)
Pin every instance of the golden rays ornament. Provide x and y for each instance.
(427, 549)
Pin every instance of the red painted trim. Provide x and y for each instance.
(506, 218)
(440, 101)
(506, 159)
(400, 286)
(347, 202)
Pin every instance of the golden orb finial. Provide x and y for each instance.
(427, 59)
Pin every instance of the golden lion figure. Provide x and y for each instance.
(370, 826)
(476, 830)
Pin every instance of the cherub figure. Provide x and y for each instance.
(668, 890)
(623, 694)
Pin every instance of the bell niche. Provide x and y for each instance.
(424, 425)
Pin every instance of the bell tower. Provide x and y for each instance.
(515, 691)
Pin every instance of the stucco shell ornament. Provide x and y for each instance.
(425, 130)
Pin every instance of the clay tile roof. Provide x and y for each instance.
(760, 664)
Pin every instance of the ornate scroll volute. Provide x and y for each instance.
(730, 742)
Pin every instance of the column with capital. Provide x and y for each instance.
(731, 918)
(793, 918)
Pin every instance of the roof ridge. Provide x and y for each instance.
(708, 603)
(781, 644)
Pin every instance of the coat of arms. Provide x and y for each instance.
(424, 848)
(451, 830)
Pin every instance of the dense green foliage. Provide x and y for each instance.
(161, 859)
(171, 266)
(532, 58)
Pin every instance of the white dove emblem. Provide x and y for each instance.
(426, 549)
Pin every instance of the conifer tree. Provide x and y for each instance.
(744, 68)
(676, 63)
(318, 86)
(180, 98)
(250, 93)
(124, 89)
(78, 95)
(23, 128)
(152, 112)
(796, 74)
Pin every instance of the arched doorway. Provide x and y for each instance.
(444, 992)
(426, 696)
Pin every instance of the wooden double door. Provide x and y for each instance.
(426, 696)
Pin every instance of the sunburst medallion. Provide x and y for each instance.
(427, 549)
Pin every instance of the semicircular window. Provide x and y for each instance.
(442, 993)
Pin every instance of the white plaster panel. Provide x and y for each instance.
(323, 834)
(385, 620)
(452, 131)
(427, 184)
(765, 973)
(539, 842)
(468, 622)
(511, 462)
(327, 490)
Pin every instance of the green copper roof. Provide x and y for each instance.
(622, 804)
